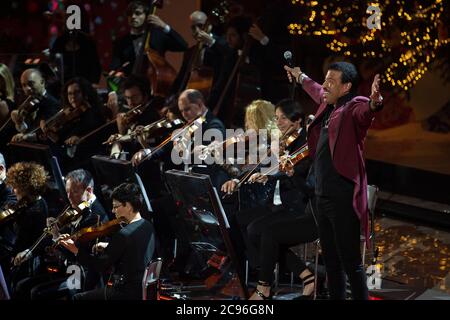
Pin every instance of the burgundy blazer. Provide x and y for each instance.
(347, 130)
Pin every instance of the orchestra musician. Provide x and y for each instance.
(129, 251)
(271, 230)
(163, 37)
(28, 181)
(38, 107)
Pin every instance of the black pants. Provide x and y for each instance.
(278, 235)
(268, 233)
(339, 232)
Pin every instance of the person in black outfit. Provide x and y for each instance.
(162, 37)
(28, 181)
(79, 188)
(137, 95)
(191, 106)
(271, 230)
(209, 57)
(336, 144)
(129, 251)
(81, 107)
(79, 53)
(33, 85)
(255, 74)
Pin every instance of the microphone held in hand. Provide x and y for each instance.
(288, 56)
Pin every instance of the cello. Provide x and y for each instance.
(150, 63)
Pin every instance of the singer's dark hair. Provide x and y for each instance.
(292, 110)
(349, 73)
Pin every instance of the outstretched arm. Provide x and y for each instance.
(311, 87)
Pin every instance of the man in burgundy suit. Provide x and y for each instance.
(336, 143)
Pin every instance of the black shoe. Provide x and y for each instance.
(306, 281)
(259, 293)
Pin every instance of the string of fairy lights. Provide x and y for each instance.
(411, 33)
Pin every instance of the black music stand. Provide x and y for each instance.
(110, 173)
(41, 154)
(206, 229)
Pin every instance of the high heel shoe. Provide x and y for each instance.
(260, 294)
(307, 281)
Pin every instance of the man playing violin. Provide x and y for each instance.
(138, 111)
(52, 285)
(129, 251)
(41, 106)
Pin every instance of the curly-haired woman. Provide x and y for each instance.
(28, 181)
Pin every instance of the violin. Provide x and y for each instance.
(10, 212)
(68, 215)
(90, 233)
(288, 138)
(214, 146)
(147, 130)
(181, 137)
(27, 107)
(287, 163)
(60, 120)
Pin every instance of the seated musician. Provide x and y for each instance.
(40, 107)
(239, 31)
(210, 55)
(129, 251)
(259, 114)
(136, 91)
(80, 192)
(191, 105)
(80, 114)
(29, 218)
(272, 229)
(163, 38)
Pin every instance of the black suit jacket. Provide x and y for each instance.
(46, 108)
(129, 252)
(123, 49)
(29, 224)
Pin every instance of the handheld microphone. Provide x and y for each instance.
(288, 56)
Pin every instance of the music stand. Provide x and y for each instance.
(41, 154)
(206, 227)
(110, 173)
(56, 195)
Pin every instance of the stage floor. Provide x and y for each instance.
(410, 145)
